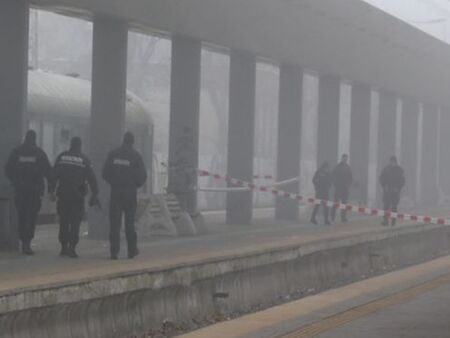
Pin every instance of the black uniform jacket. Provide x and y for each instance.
(73, 172)
(322, 181)
(342, 176)
(26, 168)
(392, 177)
(124, 169)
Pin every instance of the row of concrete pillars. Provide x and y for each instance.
(108, 107)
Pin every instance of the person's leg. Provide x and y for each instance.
(63, 208)
(35, 206)
(325, 213)
(115, 220)
(336, 200)
(76, 216)
(386, 206)
(130, 230)
(21, 216)
(394, 206)
(344, 199)
(314, 214)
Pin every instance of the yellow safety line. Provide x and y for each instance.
(327, 324)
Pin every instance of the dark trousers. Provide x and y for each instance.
(28, 205)
(391, 199)
(340, 196)
(71, 212)
(322, 196)
(122, 203)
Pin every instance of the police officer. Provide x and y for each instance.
(26, 168)
(125, 172)
(73, 175)
(322, 184)
(342, 180)
(392, 180)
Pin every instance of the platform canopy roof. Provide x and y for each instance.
(349, 38)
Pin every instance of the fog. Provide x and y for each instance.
(63, 45)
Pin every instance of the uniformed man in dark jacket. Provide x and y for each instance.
(125, 172)
(392, 180)
(342, 180)
(26, 168)
(322, 184)
(74, 176)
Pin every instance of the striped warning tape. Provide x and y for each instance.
(331, 204)
(203, 173)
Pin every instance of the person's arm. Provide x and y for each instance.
(91, 179)
(47, 171)
(315, 179)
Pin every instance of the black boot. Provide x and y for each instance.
(133, 253)
(64, 250)
(26, 249)
(71, 252)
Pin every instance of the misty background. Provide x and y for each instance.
(63, 45)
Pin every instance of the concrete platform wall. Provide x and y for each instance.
(138, 302)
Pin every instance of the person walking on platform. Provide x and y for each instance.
(392, 180)
(27, 168)
(342, 180)
(322, 184)
(125, 172)
(73, 176)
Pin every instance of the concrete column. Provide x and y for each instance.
(444, 158)
(360, 140)
(184, 119)
(109, 82)
(328, 119)
(289, 137)
(409, 153)
(241, 130)
(387, 123)
(429, 189)
(14, 16)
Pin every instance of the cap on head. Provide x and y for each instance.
(75, 144)
(128, 139)
(30, 137)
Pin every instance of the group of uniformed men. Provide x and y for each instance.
(72, 177)
(392, 180)
(68, 182)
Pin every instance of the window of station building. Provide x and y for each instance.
(48, 143)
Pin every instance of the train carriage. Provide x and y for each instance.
(59, 108)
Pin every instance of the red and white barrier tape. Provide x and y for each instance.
(257, 177)
(315, 201)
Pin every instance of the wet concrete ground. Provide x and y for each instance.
(47, 267)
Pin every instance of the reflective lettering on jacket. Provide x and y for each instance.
(122, 162)
(72, 160)
(27, 159)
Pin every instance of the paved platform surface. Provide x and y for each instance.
(424, 315)
(409, 303)
(47, 268)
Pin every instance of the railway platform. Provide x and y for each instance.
(192, 281)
